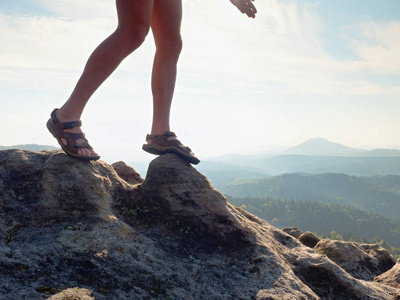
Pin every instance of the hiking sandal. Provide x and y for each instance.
(168, 143)
(57, 128)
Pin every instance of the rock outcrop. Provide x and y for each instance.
(309, 239)
(127, 173)
(69, 224)
(391, 277)
(293, 231)
(73, 294)
(362, 261)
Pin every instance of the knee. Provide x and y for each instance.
(132, 38)
(170, 47)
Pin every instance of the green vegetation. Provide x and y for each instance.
(324, 218)
(378, 194)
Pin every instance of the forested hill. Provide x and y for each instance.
(379, 194)
(324, 218)
(29, 147)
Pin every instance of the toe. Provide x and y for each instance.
(83, 152)
(88, 152)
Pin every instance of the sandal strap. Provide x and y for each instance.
(150, 137)
(76, 136)
(155, 136)
(64, 125)
(72, 137)
(72, 124)
(162, 140)
(83, 145)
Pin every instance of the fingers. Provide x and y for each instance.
(245, 7)
(252, 8)
(249, 9)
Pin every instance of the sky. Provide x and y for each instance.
(299, 70)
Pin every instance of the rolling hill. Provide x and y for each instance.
(370, 194)
(315, 156)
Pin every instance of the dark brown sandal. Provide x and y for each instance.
(162, 144)
(57, 128)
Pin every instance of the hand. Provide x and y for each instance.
(246, 7)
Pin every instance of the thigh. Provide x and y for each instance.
(166, 20)
(133, 13)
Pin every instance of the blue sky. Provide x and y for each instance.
(301, 69)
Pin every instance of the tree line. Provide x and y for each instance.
(327, 219)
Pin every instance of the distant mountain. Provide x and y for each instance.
(314, 156)
(321, 147)
(30, 147)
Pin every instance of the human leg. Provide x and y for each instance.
(165, 25)
(134, 18)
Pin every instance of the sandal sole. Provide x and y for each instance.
(160, 150)
(77, 156)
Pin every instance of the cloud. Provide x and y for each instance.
(282, 47)
(80, 10)
(281, 50)
(39, 49)
(378, 46)
(49, 52)
(274, 47)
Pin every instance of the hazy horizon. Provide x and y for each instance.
(300, 70)
(272, 151)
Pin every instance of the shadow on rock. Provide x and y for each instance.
(175, 199)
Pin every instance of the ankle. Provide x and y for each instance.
(65, 115)
(159, 130)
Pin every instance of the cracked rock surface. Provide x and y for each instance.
(70, 226)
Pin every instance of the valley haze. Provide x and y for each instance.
(317, 155)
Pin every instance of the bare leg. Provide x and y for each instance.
(134, 18)
(166, 23)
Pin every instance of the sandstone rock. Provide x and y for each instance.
(385, 261)
(391, 277)
(360, 260)
(176, 195)
(293, 231)
(73, 294)
(127, 173)
(67, 223)
(309, 239)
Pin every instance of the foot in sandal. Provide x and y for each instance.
(168, 143)
(70, 137)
